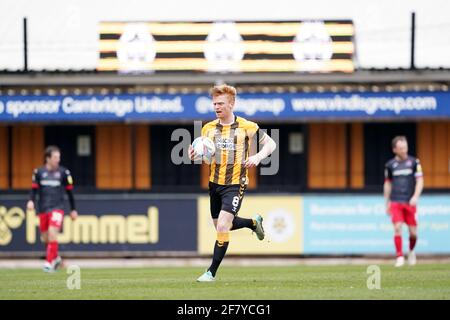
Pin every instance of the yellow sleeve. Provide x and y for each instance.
(252, 129)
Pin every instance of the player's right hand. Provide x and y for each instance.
(30, 205)
(252, 161)
(388, 208)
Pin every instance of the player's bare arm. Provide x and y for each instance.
(387, 188)
(268, 148)
(417, 192)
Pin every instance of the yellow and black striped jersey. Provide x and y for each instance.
(234, 143)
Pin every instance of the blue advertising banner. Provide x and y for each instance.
(360, 225)
(106, 225)
(271, 106)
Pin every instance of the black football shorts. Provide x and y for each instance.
(225, 197)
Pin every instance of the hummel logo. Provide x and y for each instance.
(9, 219)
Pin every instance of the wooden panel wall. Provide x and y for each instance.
(113, 161)
(327, 155)
(204, 175)
(27, 154)
(4, 158)
(433, 150)
(142, 157)
(357, 156)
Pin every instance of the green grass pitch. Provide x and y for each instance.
(427, 281)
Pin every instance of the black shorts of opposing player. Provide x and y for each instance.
(226, 197)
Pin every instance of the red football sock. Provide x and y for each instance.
(412, 243)
(398, 245)
(52, 250)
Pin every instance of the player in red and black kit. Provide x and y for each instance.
(49, 183)
(402, 188)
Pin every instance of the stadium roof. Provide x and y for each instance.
(92, 77)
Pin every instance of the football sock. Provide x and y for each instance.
(398, 245)
(52, 250)
(220, 248)
(239, 223)
(412, 242)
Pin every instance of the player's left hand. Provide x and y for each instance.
(191, 153)
(252, 161)
(413, 201)
(73, 214)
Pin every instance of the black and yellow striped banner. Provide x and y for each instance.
(294, 46)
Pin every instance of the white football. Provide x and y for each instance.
(204, 147)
